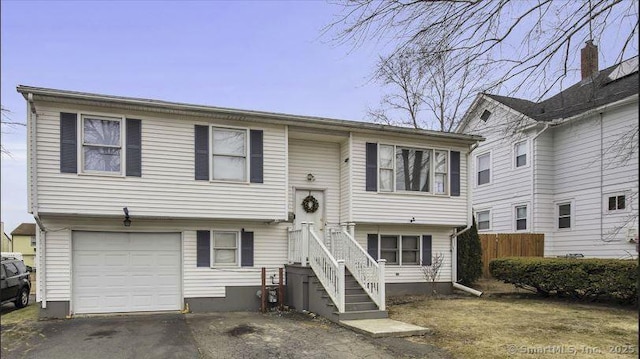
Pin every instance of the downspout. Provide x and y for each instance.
(32, 118)
(533, 187)
(454, 236)
(601, 174)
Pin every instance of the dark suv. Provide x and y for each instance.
(16, 284)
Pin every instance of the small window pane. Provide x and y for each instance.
(229, 168)
(521, 161)
(389, 242)
(409, 242)
(621, 204)
(225, 256)
(439, 183)
(224, 240)
(390, 256)
(483, 162)
(412, 169)
(386, 180)
(11, 269)
(386, 156)
(521, 224)
(564, 222)
(409, 257)
(564, 210)
(441, 162)
(101, 132)
(228, 142)
(612, 203)
(483, 220)
(521, 212)
(105, 159)
(483, 225)
(483, 177)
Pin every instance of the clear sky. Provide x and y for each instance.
(258, 55)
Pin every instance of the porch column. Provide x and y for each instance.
(352, 229)
(381, 264)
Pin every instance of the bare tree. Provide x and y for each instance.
(526, 46)
(5, 123)
(432, 272)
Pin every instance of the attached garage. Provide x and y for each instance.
(117, 272)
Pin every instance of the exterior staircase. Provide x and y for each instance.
(358, 304)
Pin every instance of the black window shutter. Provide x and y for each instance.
(68, 142)
(372, 245)
(426, 250)
(202, 152)
(134, 147)
(246, 248)
(256, 160)
(372, 166)
(455, 173)
(203, 249)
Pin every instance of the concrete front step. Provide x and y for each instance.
(383, 327)
(362, 314)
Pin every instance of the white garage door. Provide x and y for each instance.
(126, 272)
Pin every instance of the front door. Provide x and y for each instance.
(309, 207)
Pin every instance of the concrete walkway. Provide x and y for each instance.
(386, 327)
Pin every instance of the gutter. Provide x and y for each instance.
(453, 238)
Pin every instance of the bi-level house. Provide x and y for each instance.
(566, 167)
(146, 205)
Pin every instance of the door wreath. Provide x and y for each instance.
(310, 204)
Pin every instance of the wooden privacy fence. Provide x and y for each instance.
(510, 245)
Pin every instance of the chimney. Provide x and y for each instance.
(589, 60)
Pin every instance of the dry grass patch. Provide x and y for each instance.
(527, 328)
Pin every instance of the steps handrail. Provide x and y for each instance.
(368, 272)
(330, 272)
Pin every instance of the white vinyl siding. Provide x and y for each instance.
(345, 182)
(322, 160)
(401, 206)
(411, 273)
(167, 186)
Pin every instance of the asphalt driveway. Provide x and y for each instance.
(215, 335)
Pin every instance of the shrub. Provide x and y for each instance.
(584, 279)
(469, 256)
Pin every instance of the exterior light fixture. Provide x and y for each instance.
(311, 177)
(127, 220)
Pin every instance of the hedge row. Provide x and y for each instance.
(584, 279)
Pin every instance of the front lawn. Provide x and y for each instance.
(524, 327)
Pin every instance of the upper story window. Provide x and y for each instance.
(386, 168)
(521, 154)
(483, 168)
(101, 144)
(617, 203)
(521, 218)
(564, 215)
(412, 169)
(229, 154)
(483, 219)
(485, 115)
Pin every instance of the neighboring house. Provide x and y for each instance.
(24, 241)
(6, 245)
(566, 166)
(146, 205)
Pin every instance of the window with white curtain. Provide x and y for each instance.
(386, 168)
(440, 176)
(225, 248)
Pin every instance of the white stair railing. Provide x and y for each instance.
(295, 246)
(365, 269)
(329, 271)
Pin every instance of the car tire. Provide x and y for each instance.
(23, 298)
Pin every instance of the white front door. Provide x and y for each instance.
(309, 207)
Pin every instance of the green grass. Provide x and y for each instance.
(18, 316)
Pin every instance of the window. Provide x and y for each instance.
(396, 249)
(485, 115)
(521, 154)
(225, 248)
(564, 215)
(386, 168)
(617, 203)
(101, 144)
(389, 249)
(483, 164)
(440, 176)
(521, 218)
(412, 169)
(483, 219)
(229, 154)
(10, 269)
(33, 241)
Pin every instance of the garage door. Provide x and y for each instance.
(126, 272)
